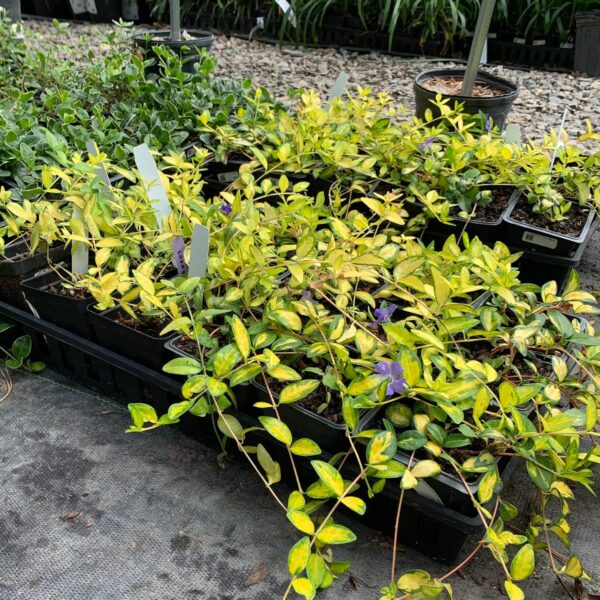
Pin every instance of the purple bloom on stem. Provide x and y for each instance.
(383, 315)
(226, 208)
(427, 143)
(393, 373)
(307, 295)
(488, 124)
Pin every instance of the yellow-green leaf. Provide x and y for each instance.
(288, 319)
(271, 467)
(301, 521)
(355, 504)
(240, 334)
(298, 390)
(284, 373)
(426, 468)
(513, 591)
(523, 563)
(360, 387)
(179, 408)
(365, 342)
(329, 476)
(225, 359)
(305, 447)
(298, 556)
(411, 364)
(231, 427)
(336, 534)
(304, 587)
(573, 568)
(278, 429)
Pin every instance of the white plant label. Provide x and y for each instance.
(540, 240)
(151, 179)
(199, 252)
(559, 140)
(285, 6)
(78, 6)
(512, 134)
(91, 7)
(80, 255)
(339, 86)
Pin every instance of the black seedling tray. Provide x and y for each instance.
(68, 312)
(146, 349)
(433, 529)
(536, 239)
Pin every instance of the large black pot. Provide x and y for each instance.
(496, 107)
(187, 49)
(587, 42)
(68, 312)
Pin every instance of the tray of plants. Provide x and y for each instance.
(536, 232)
(93, 365)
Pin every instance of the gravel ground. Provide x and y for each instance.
(544, 94)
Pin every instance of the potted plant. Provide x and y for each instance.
(478, 92)
(187, 44)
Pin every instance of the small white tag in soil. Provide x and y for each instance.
(287, 10)
(199, 253)
(80, 255)
(339, 86)
(512, 134)
(151, 178)
(540, 240)
(78, 6)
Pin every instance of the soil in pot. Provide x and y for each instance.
(492, 211)
(151, 326)
(452, 86)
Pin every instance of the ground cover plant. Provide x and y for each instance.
(416, 363)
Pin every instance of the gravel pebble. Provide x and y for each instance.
(543, 94)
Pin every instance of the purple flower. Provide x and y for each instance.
(226, 208)
(383, 315)
(307, 295)
(488, 124)
(393, 373)
(427, 143)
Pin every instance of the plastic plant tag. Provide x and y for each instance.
(339, 86)
(512, 134)
(80, 256)
(78, 6)
(288, 11)
(151, 178)
(178, 257)
(199, 254)
(559, 141)
(540, 240)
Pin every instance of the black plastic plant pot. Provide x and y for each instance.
(496, 107)
(106, 11)
(18, 264)
(524, 236)
(68, 312)
(304, 423)
(587, 41)
(147, 349)
(486, 231)
(188, 49)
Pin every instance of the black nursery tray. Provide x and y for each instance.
(433, 529)
(536, 239)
